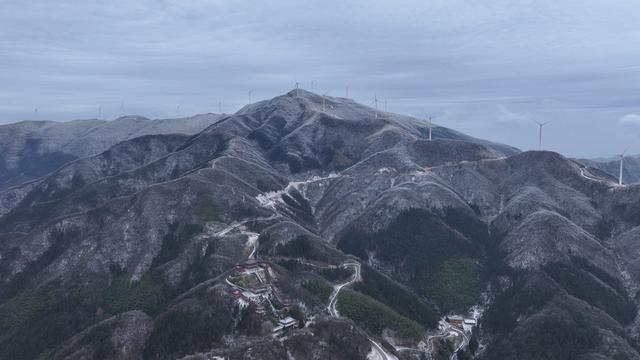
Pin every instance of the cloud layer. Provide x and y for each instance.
(487, 68)
(632, 120)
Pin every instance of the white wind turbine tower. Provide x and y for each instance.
(375, 101)
(430, 127)
(540, 125)
(324, 101)
(250, 92)
(347, 90)
(621, 161)
(297, 86)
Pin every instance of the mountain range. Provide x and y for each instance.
(31, 149)
(309, 227)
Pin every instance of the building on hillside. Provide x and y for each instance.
(288, 322)
(455, 320)
(470, 322)
(258, 294)
(284, 324)
(277, 330)
(263, 291)
(251, 266)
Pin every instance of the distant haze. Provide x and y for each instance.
(485, 68)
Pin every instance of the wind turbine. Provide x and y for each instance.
(324, 98)
(122, 108)
(430, 126)
(178, 110)
(385, 105)
(99, 111)
(621, 160)
(297, 92)
(347, 88)
(35, 113)
(250, 92)
(540, 125)
(219, 107)
(375, 101)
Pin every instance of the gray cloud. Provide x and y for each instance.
(486, 68)
(629, 125)
(631, 120)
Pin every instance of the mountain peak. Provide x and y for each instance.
(281, 199)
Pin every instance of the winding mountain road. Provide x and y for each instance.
(587, 175)
(239, 224)
(382, 354)
(252, 237)
(465, 341)
(430, 344)
(333, 301)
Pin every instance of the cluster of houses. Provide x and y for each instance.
(251, 284)
(461, 322)
(254, 267)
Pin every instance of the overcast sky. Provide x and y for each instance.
(487, 68)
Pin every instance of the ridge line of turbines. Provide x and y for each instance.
(540, 124)
(621, 155)
(249, 94)
(375, 103)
